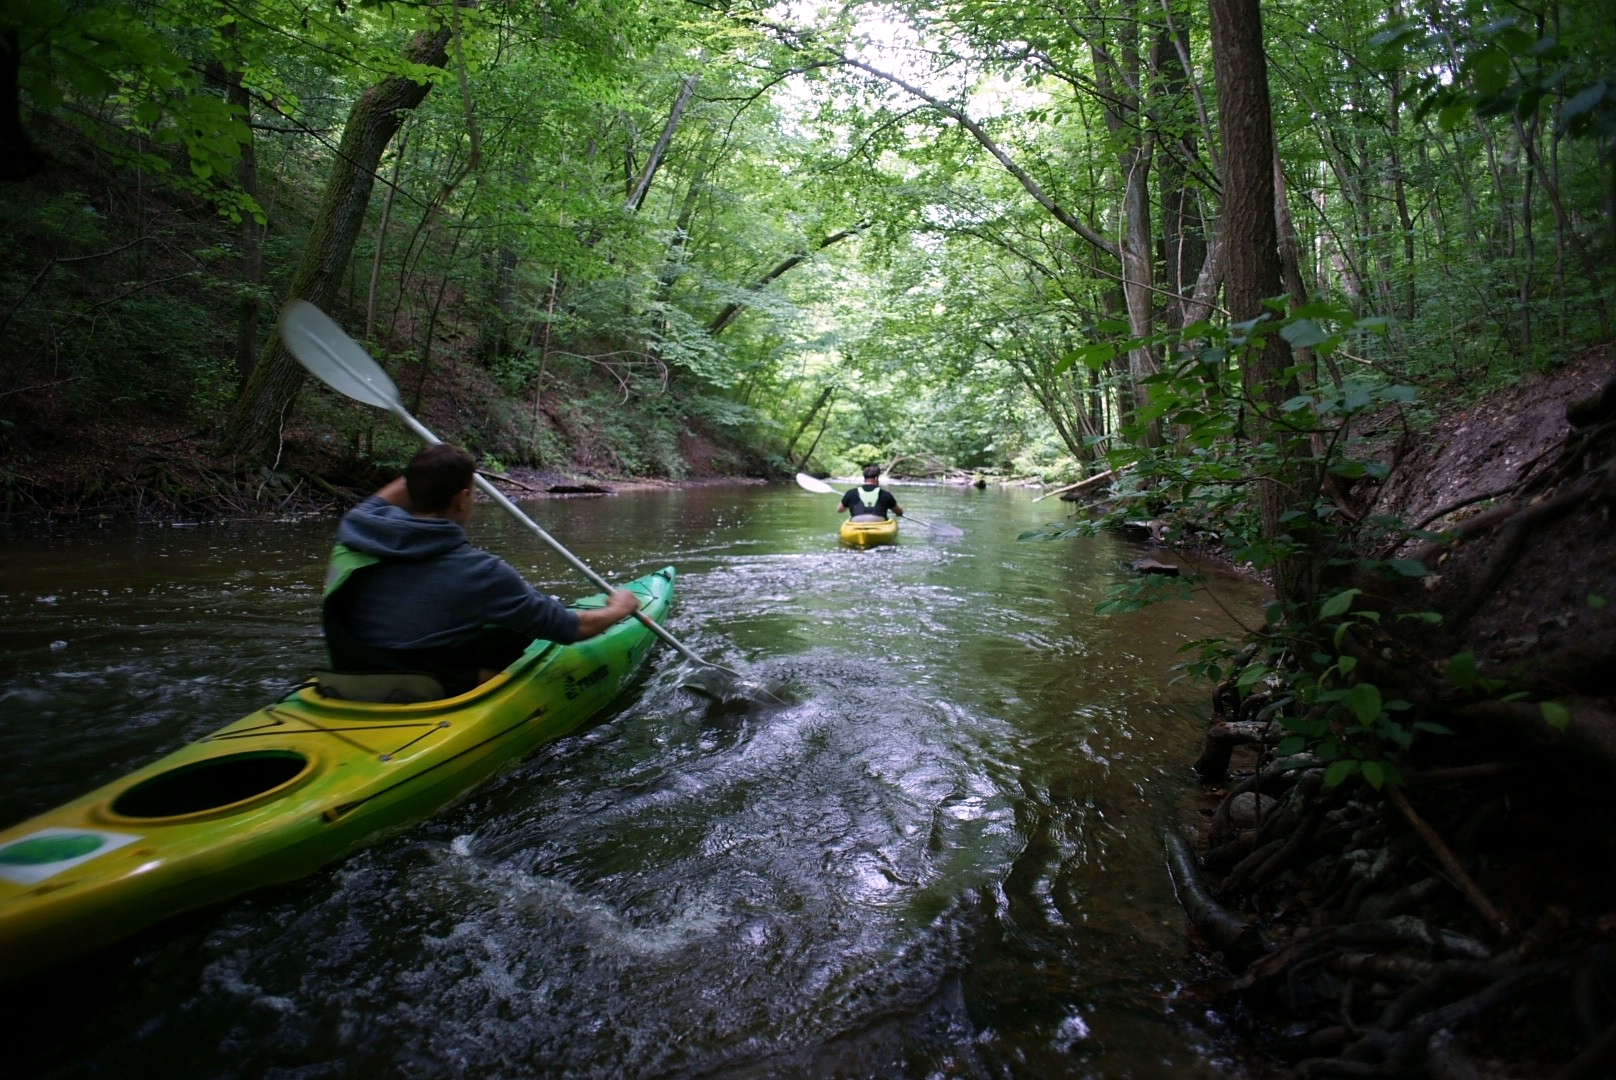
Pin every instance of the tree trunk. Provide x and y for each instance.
(642, 186)
(823, 400)
(253, 428)
(1119, 84)
(1405, 221)
(1251, 240)
(731, 311)
(252, 230)
(1183, 240)
(381, 236)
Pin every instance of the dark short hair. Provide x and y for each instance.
(436, 475)
(872, 472)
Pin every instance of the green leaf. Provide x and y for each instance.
(1489, 70)
(1555, 714)
(1303, 333)
(1597, 601)
(1299, 402)
(1409, 567)
(1338, 604)
(1347, 664)
(1584, 100)
(1452, 117)
(1340, 771)
(1462, 670)
(1364, 702)
(1373, 773)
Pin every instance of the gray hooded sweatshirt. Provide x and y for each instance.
(432, 589)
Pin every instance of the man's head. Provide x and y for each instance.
(872, 473)
(436, 479)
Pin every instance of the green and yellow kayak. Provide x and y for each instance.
(864, 534)
(287, 789)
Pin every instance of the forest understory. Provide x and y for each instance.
(66, 470)
(1462, 923)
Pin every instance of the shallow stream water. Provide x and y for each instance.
(939, 858)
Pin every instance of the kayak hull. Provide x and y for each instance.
(866, 534)
(286, 790)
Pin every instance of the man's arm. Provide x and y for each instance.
(395, 492)
(619, 606)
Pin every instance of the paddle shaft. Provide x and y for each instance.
(487, 488)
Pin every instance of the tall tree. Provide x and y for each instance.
(254, 424)
(1251, 242)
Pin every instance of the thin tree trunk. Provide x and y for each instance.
(252, 230)
(544, 350)
(1400, 196)
(636, 196)
(1119, 82)
(1523, 296)
(824, 399)
(731, 311)
(381, 235)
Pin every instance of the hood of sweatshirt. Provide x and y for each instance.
(380, 528)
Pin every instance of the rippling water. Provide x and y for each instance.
(939, 857)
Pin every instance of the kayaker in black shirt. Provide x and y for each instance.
(870, 501)
(406, 591)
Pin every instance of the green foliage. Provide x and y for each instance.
(1510, 67)
(1309, 650)
(962, 320)
(1140, 592)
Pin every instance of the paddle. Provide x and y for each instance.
(337, 360)
(819, 487)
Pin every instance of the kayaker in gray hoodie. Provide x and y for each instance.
(406, 590)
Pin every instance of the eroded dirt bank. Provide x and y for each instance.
(1462, 922)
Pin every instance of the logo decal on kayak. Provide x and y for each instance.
(578, 686)
(46, 853)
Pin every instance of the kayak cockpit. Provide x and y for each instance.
(213, 785)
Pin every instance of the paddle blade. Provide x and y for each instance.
(818, 487)
(336, 359)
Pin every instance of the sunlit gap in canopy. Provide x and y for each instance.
(882, 37)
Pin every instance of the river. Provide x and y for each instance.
(940, 857)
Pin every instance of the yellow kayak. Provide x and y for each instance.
(287, 789)
(864, 534)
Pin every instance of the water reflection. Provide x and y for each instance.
(938, 857)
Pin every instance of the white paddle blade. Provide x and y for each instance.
(818, 487)
(336, 359)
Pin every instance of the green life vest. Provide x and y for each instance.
(869, 498)
(344, 561)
